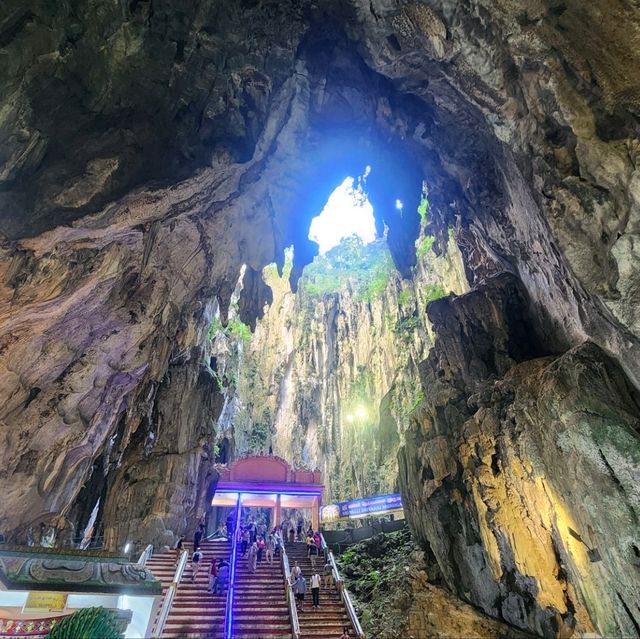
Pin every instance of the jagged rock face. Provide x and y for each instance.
(161, 484)
(100, 98)
(338, 346)
(557, 83)
(518, 471)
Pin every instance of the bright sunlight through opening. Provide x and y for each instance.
(347, 212)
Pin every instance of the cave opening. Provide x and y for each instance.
(347, 213)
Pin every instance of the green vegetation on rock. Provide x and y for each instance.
(434, 292)
(235, 329)
(365, 268)
(376, 574)
(423, 209)
(425, 245)
(405, 297)
(259, 433)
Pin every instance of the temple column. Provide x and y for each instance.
(277, 513)
(315, 514)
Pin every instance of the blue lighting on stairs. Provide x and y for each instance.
(228, 618)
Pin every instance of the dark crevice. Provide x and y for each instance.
(611, 472)
(33, 393)
(634, 621)
(393, 41)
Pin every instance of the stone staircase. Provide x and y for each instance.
(260, 609)
(327, 621)
(195, 612)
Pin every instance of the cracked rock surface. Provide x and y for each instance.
(520, 467)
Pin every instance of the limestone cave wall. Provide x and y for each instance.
(350, 339)
(520, 465)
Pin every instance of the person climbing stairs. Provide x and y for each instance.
(328, 620)
(195, 612)
(260, 609)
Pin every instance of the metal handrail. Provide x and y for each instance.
(293, 610)
(344, 594)
(355, 622)
(146, 555)
(228, 612)
(168, 598)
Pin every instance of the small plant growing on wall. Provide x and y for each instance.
(88, 623)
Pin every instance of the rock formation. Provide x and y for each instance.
(520, 466)
(151, 149)
(392, 584)
(349, 340)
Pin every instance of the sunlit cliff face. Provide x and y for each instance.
(138, 177)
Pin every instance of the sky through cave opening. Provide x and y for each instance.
(347, 212)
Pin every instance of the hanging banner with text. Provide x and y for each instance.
(377, 505)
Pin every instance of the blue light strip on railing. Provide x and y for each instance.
(228, 618)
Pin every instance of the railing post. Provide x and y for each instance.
(146, 555)
(228, 615)
(293, 611)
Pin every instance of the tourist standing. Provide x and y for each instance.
(213, 574)
(261, 546)
(296, 571)
(328, 574)
(299, 589)
(299, 528)
(279, 544)
(313, 554)
(292, 535)
(271, 547)
(315, 589)
(178, 548)
(197, 538)
(345, 633)
(221, 579)
(195, 563)
(252, 557)
(245, 541)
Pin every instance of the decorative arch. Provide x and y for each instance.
(267, 468)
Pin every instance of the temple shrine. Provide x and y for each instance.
(269, 482)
